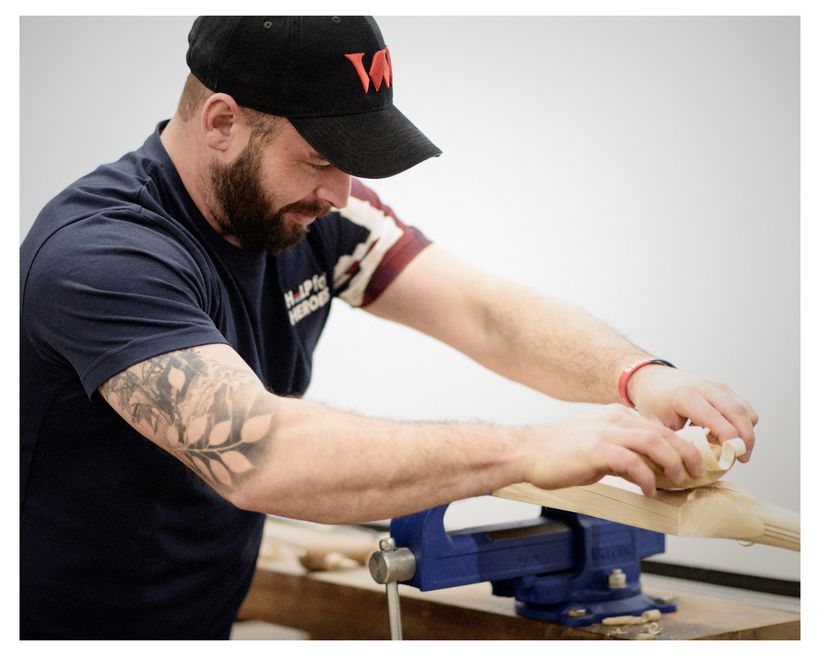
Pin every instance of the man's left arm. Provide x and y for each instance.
(551, 346)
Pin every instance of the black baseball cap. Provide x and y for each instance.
(330, 76)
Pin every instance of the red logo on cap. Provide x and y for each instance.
(380, 69)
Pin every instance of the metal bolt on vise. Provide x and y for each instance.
(617, 579)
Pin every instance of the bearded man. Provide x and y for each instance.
(170, 305)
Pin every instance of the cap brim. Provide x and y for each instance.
(370, 145)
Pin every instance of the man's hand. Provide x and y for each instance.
(608, 440)
(671, 396)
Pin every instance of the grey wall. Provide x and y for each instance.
(645, 169)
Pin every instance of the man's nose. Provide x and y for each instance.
(335, 188)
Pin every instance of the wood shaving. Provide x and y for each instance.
(717, 458)
(620, 620)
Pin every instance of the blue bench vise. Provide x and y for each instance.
(561, 567)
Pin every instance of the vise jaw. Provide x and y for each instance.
(560, 567)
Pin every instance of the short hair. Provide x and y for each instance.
(194, 94)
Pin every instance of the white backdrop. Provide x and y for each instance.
(646, 169)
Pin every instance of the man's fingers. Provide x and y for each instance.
(741, 417)
(623, 462)
(667, 450)
(692, 459)
(747, 408)
(702, 412)
(654, 443)
(724, 414)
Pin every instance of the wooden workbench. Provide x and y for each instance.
(348, 604)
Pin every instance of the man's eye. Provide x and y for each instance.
(320, 167)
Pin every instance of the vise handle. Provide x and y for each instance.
(391, 566)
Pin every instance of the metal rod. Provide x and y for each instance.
(394, 610)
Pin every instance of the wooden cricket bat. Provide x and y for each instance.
(719, 510)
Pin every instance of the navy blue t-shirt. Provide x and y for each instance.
(118, 539)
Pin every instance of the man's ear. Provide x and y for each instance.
(220, 123)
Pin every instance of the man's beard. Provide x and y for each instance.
(239, 203)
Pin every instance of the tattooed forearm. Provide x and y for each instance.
(214, 417)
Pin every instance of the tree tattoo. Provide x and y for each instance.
(213, 417)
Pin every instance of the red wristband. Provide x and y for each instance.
(631, 369)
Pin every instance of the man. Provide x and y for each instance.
(171, 302)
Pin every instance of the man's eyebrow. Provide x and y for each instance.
(312, 154)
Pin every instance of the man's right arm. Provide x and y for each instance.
(301, 459)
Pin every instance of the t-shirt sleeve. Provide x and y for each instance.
(374, 246)
(105, 293)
